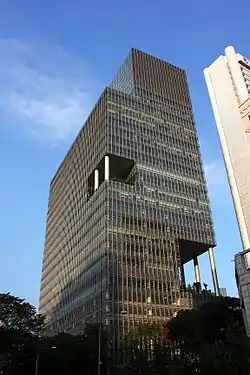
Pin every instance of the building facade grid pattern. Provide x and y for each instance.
(114, 255)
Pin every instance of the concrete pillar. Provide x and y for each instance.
(106, 170)
(214, 272)
(182, 274)
(197, 274)
(96, 179)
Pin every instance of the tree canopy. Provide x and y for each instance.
(209, 340)
(19, 315)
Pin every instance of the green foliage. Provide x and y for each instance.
(20, 326)
(16, 314)
(24, 350)
(209, 340)
(211, 337)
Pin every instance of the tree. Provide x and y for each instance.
(65, 354)
(212, 339)
(23, 347)
(209, 340)
(20, 329)
(17, 314)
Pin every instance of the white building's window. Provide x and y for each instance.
(247, 260)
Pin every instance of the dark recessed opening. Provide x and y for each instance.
(120, 169)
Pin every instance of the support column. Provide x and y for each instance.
(106, 170)
(214, 272)
(96, 179)
(182, 274)
(197, 274)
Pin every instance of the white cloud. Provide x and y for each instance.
(43, 90)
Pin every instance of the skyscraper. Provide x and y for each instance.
(242, 274)
(228, 82)
(128, 206)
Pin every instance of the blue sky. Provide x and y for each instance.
(55, 59)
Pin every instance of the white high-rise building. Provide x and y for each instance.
(228, 82)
